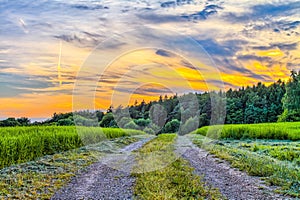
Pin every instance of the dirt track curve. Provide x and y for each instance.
(232, 183)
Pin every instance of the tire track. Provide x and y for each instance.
(108, 179)
(232, 183)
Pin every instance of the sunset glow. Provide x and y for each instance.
(40, 58)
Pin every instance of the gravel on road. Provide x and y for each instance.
(232, 183)
(107, 179)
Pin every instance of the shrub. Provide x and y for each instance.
(171, 127)
(190, 125)
(65, 122)
(131, 125)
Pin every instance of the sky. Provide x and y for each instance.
(64, 55)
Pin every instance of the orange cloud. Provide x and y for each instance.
(271, 53)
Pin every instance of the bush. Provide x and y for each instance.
(107, 120)
(131, 125)
(149, 131)
(123, 122)
(82, 121)
(65, 122)
(190, 125)
(142, 122)
(171, 127)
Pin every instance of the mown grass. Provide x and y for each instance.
(22, 144)
(279, 131)
(160, 175)
(41, 178)
(281, 150)
(275, 172)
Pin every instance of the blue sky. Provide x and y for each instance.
(245, 41)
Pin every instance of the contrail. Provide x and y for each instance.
(58, 65)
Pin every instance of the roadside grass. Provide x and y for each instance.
(280, 150)
(40, 179)
(284, 174)
(161, 175)
(279, 131)
(22, 144)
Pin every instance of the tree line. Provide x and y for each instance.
(258, 103)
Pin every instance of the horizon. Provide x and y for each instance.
(132, 104)
(70, 62)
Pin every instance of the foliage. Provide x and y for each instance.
(23, 121)
(131, 125)
(172, 126)
(149, 131)
(83, 121)
(142, 122)
(107, 120)
(291, 99)
(65, 122)
(124, 121)
(190, 125)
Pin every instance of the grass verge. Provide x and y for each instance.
(40, 179)
(275, 172)
(162, 176)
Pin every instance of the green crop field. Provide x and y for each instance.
(279, 131)
(270, 151)
(21, 144)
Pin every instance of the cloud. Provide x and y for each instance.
(281, 46)
(151, 90)
(145, 90)
(178, 15)
(228, 48)
(203, 14)
(277, 26)
(89, 7)
(279, 9)
(290, 25)
(188, 65)
(254, 57)
(15, 85)
(262, 11)
(160, 18)
(169, 4)
(164, 53)
(84, 39)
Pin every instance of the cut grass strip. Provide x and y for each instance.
(162, 176)
(274, 172)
